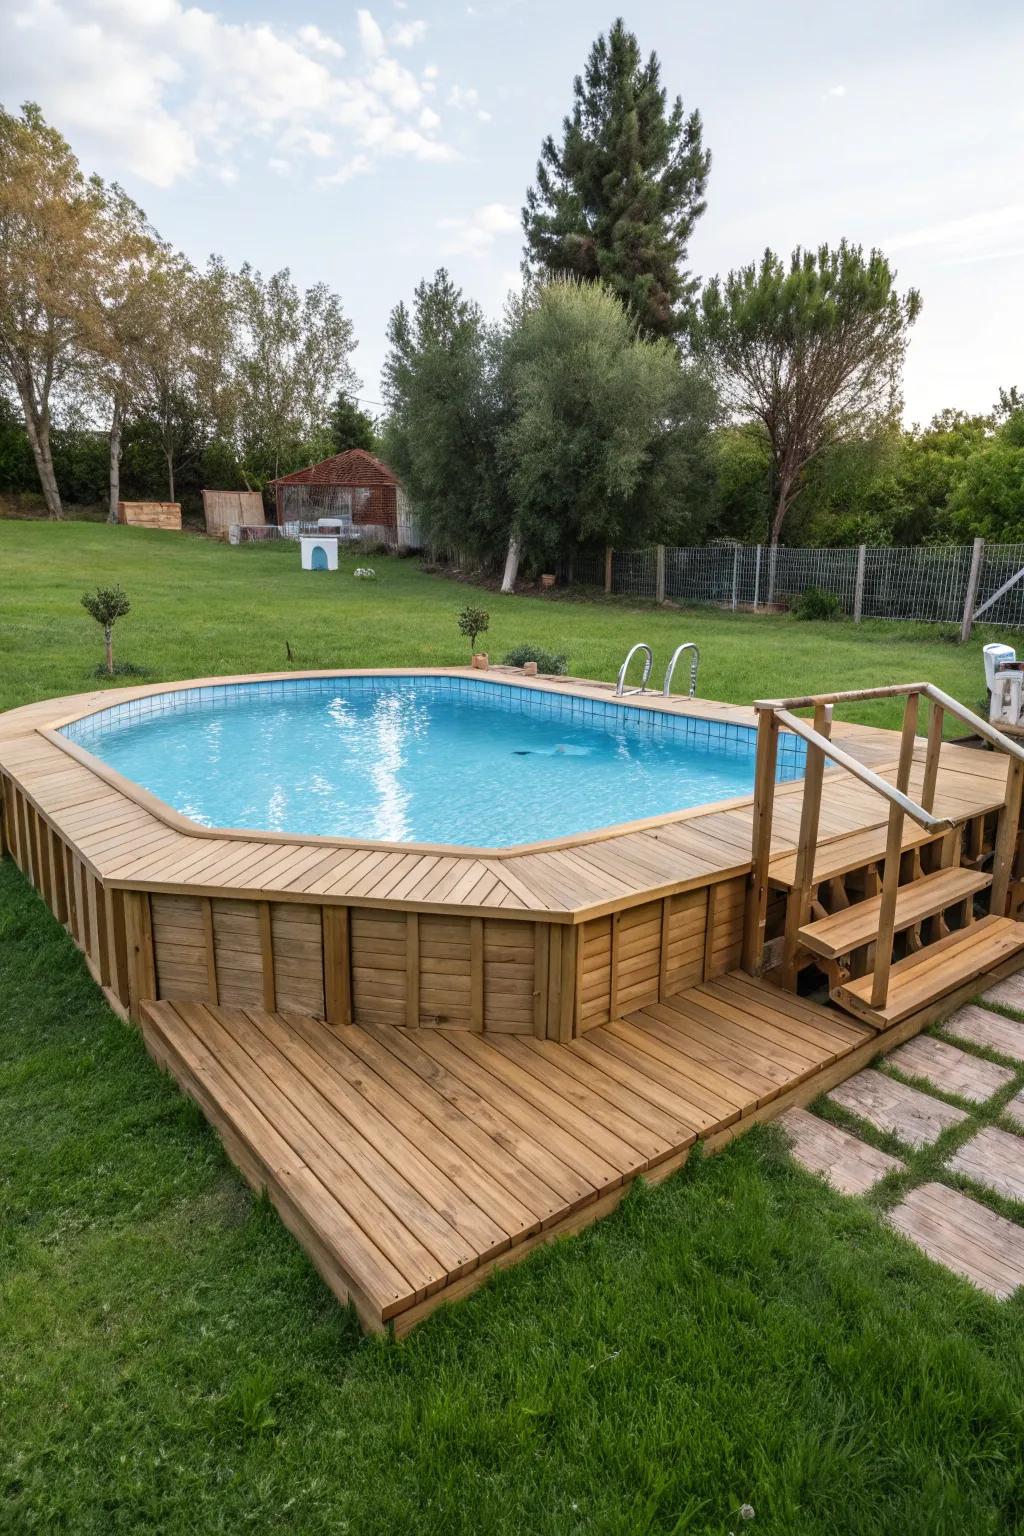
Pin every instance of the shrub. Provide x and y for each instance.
(818, 604)
(473, 622)
(547, 661)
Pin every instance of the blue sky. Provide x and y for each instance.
(368, 145)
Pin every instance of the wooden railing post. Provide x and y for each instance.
(798, 904)
(936, 721)
(756, 910)
(893, 853)
(1007, 832)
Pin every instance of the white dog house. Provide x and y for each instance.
(319, 552)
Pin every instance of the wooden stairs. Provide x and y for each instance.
(900, 916)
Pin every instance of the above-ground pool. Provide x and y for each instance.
(420, 759)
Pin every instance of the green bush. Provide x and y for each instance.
(818, 604)
(547, 661)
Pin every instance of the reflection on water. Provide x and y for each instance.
(398, 766)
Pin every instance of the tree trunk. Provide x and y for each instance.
(783, 504)
(108, 641)
(508, 581)
(37, 428)
(115, 462)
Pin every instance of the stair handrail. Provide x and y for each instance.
(776, 713)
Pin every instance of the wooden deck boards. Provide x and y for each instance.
(127, 844)
(410, 1162)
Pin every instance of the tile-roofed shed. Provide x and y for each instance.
(355, 482)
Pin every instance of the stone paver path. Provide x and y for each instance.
(915, 1117)
(950, 1070)
(966, 1237)
(1009, 993)
(991, 1030)
(849, 1165)
(994, 1158)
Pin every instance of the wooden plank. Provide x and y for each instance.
(476, 971)
(914, 1118)
(950, 1070)
(851, 1166)
(141, 959)
(957, 1232)
(412, 970)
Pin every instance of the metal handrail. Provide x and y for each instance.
(865, 775)
(620, 686)
(688, 645)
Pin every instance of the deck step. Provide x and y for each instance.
(934, 971)
(841, 932)
(852, 851)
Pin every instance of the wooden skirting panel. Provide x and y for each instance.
(645, 953)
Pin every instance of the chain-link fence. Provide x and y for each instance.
(936, 584)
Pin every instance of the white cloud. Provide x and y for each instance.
(462, 98)
(320, 42)
(976, 234)
(406, 34)
(475, 234)
(161, 89)
(370, 35)
(278, 166)
(429, 120)
(431, 72)
(836, 90)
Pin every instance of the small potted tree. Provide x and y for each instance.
(106, 605)
(473, 622)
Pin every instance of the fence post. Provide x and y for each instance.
(773, 557)
(659, 574)
(971, 597)
(757, 579)
(858, 584)
(735, 572)
(608, 567)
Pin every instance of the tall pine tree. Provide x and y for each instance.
(618, 199)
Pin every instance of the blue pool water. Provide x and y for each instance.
(431, 760)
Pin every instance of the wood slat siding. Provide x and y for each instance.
(645, 953)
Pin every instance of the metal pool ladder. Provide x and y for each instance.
(688, 645)
(620, 686)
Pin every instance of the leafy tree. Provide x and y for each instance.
(812, 351)
(987, 499)
(49, 276)
(445, 391)
(183, 361)
(106, 605)
(608, 428)
(136, 269)
(291, 354)
(618, 199)
(349, 427)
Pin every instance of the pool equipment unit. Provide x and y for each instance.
(319, 552)
(1004, 675)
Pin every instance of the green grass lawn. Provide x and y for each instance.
(203, 608)
(169, 1361)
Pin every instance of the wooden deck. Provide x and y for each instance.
(410, 1163)
(436, 1058)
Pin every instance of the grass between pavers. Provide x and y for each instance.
(202, 608)
(170, 1362)
(740, 1334)
(929, 1164)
